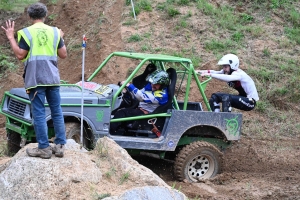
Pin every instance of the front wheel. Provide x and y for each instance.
(73, 130)
(13, 142)
(198, 160)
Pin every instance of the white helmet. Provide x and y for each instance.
(230, 59)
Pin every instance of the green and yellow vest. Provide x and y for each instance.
(40, 64)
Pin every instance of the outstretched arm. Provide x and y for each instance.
(224, 77)
(209, 71)
(9, 31)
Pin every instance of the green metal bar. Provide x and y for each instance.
(85, 105)
(199, 84)
(141, 117)
(14, 118)
(18, 98)
(127, 81)
(13, 128)
(100, 67)
(153, 57)
(175, 103)
(186, 67)
(188, 84)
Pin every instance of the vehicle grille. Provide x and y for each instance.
(16, 107)
(88, 102)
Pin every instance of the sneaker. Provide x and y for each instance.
(58, 150)
(42, 153)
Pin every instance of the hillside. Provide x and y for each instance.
(265, 36)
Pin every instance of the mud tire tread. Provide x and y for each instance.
(192, 150)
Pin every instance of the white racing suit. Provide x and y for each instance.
(243, 83)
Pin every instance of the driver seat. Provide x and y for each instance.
(140, 82)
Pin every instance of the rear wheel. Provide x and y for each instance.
(198, 160)
(73, 132)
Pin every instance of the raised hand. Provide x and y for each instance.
(9, 29)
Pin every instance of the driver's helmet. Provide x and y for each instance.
(230, 59)
(158, 77)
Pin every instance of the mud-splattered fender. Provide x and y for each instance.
(182, 120)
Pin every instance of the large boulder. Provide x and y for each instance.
(149, 193)
(108, 170)
(35, 178)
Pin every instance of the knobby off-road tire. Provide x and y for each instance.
(13, 142)
(73, 132)
(198, 160)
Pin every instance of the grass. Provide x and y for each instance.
(139, 6)
(3, 148)
(110, 173)
(15, 5)
(124, 178)
(101, 196)
(7, 63)
(134, 38)
(293, 34)
(218, 46)
(172, 11)
(102, 149)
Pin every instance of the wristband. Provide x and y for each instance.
(208, 71)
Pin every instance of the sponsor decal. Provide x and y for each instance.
(99, 115)
(245, 103)
(232, 126)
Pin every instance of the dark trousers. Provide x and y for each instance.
(235, 101)
(126, 112)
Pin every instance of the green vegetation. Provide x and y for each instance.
(101, 196)
(110, 173)
(7, 63)
(3, 149)
(134, 38)
(140, 5)
(15, 5)
(124, 178)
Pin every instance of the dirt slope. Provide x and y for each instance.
(264, 168)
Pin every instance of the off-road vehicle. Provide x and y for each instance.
(180, 130)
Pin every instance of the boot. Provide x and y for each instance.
(226, 106)
(58, 150)
(42, 153)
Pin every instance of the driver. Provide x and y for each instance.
(154, 94)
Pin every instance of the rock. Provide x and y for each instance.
(150, 193)
(122, 161)
(32, 178)
(78, 175)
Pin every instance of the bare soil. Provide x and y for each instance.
(253, 168)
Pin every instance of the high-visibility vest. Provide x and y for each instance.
(40, 64)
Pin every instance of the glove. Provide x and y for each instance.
(122, 82)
